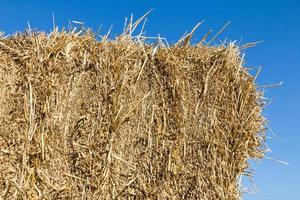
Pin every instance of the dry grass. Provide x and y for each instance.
(82, 118)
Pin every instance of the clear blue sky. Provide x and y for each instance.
(276, 22)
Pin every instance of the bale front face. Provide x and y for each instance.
(88, 119)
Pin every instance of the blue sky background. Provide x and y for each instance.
(276, 22)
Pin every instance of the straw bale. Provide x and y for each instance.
(83, 118)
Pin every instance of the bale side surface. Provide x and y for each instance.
(113, 119)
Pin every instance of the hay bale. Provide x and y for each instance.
(120, 119)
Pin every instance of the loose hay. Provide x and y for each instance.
(82, 118)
